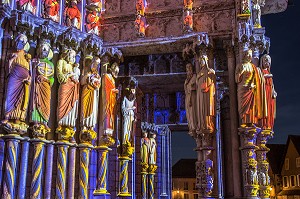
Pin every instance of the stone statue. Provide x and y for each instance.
(245, 7)
(249, 90)
(109, 92)
(269, 95)
(188, 21)
(206, 90)
(72, 15)
(51, 9)
(44, 79)
(96, 3)
(27, 5)
(141, 25)
(68, 94)
(93, 19)
(145, 147)
(128, 111)
(191, 98)
(18, 87)
(256, 13)
(91, 82)
(188, 4)
(152, 149)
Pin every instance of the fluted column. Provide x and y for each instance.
(23, 165)
(48, 170)
(71, 170)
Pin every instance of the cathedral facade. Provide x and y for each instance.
(90, 91)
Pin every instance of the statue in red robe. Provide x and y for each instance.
(51, 9)
(269, 94)
(73, 15)
(109, 92)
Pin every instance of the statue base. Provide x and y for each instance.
(124, 195)
(101, 192)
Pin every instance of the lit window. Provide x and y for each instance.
(194, 186)
(195, 196)
(293, 181)
(287, 164)
(298, 162)
(185, 186)
(298, 179)
(285, 181)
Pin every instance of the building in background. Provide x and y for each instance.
(184, 179)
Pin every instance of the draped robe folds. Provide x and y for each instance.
(249, 99)
(206, 99)
(18, 90)
(42, 94)
(128, 117)
(109, 100)
(90, 100)
(145, 145)
(68, 94)
(191, 102)
(268, 100)
(152, 151)
(51, 8)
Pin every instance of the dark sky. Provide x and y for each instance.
(284, 31)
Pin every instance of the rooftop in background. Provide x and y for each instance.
(296, 140)
(275, 156)
(184, 168)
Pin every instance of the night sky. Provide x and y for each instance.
(284, 31)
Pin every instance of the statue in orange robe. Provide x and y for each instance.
(109, 92)
(73, 15)
(93, 22)
(249, 91)
(269, 95)
(51, 9)
(188, 22)
(141, 25)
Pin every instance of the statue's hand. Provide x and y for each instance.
(274, 95)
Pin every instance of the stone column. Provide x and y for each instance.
(48, 170)
(84, 170)
(71, 170)
(123, 180)
(102, 172)
(61, 175)
(262, 163)
(23, 165)
(12, 151)
(248, 137)
(37, 168)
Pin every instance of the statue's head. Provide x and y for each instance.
(114, 69)
(203, 61)
(247, 55)
(22, 42)
(45, 50)
(95, 64)
(265, 62)
(189, 69)
(71, 56)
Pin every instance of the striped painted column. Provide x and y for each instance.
(124, 177)
(84, 170)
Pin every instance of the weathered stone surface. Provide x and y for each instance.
(274, 6)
